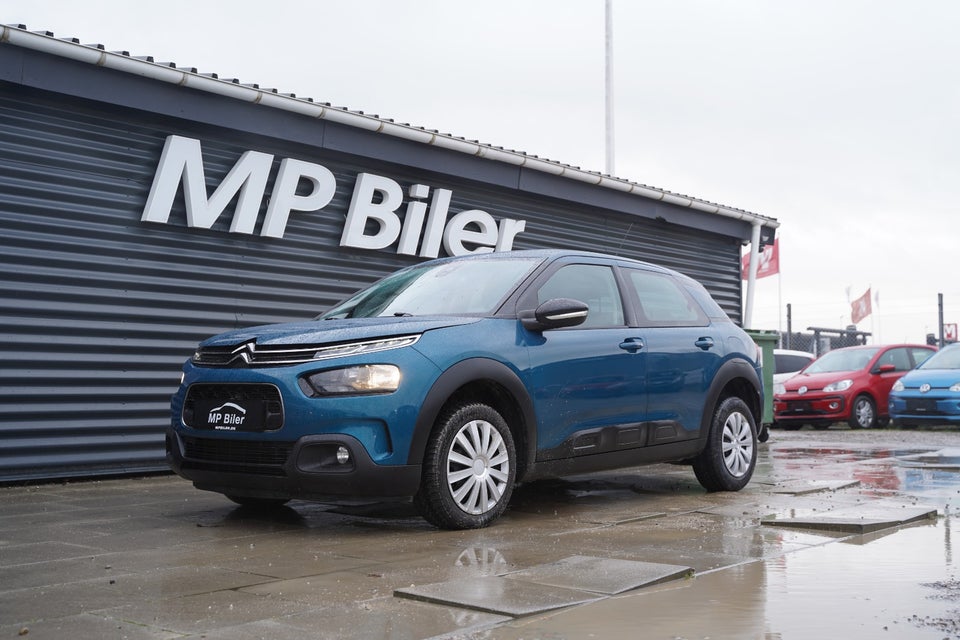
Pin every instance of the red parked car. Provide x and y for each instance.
(848, 384)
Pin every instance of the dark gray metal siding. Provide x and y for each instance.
(98, 310)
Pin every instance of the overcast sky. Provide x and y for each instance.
(839, 118)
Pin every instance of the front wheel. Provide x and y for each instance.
(468, 469)
(864, 413)
(728, 460)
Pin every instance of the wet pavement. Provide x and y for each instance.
(841, 534)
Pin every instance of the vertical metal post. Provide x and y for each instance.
(789, 326)
(608, 70)
(940, 308)
(752, 275)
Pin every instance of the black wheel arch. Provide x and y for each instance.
(480, 380)
(736, 377)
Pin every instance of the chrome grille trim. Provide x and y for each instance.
(248, 354)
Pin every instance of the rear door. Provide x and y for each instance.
(590, 377)
(683, 351)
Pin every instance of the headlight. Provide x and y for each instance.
(358, 380)
(839, 385)
(897, 386)
(356, 348)
(779, 389)
(955, 387)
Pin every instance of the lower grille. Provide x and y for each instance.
(926, 406)
(241, 456)
(263, 405)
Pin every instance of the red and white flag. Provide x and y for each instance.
(860, 308)
(769, 261)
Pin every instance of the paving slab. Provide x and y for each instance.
(803, 487)
(385, 619)
(865, 518)
(116, 589)
(498, 595)
(941, 459)
(202, 613)
(608, 576)
(86, 626)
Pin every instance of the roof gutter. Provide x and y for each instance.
(189, 77)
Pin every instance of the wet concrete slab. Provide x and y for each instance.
(608, 576)
(866, 518)
(802, 487)
(383, 619)
(155, 558)
(498, 595)
(941, 459)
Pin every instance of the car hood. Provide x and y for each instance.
(334, 331)
(817, 380)
(936, 378)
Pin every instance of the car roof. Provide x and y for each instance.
(882, 346)
(556, 254)
(791, 352)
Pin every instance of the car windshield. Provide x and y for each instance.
(946, 359)
(842, 360)
(468, 287)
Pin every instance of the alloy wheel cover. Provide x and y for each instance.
(478, 467)
(737, 444)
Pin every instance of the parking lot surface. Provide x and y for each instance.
(840, 533)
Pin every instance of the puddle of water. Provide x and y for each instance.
(897, 586)
(900, 586)
(842, 454)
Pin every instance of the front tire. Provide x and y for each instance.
(468, 470)
(864, 413)
(728, 460)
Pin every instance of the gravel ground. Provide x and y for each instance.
(938, 437)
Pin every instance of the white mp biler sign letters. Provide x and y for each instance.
(422, 231)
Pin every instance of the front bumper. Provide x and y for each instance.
(810, 409)
(916, 408)
(306, 469)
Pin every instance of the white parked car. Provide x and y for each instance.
(787, 363)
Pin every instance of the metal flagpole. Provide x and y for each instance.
(609, 86)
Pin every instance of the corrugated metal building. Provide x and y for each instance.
(103, 297)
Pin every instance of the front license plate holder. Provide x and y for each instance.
(245, 415)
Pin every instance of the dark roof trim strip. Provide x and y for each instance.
(71, 48)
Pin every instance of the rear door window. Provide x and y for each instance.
(663, 302)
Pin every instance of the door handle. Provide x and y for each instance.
(704, 343)
(632, 344)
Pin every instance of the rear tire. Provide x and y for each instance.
(728, 460)
(468, 469)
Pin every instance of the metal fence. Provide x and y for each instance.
(821, 340)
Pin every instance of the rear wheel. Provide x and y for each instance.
(863, 414)
(728, 460)
(468, 469)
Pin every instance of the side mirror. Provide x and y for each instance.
(884, 368)
(555, 313)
